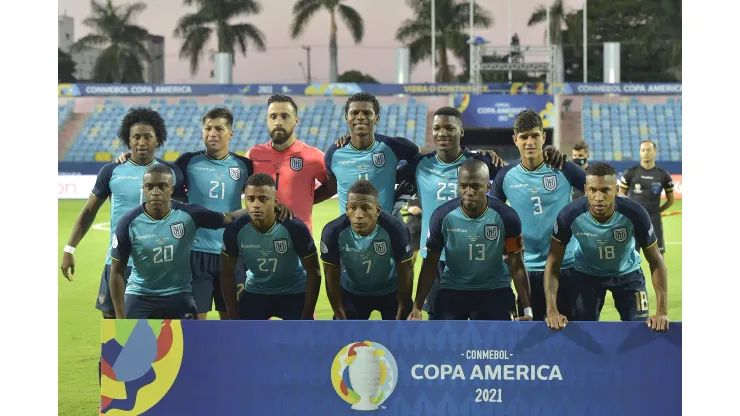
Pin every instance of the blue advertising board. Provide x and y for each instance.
(388, 367)
(344, 89)
(499, 111)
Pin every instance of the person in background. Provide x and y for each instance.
(580, 158)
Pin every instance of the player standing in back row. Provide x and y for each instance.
(294, 165)
(368, 155)
(607, 229)
(142, 131)
(644, 183)
(538, 193)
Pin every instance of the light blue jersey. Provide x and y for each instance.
(160, 249)
(124, 184)
(538, 196)
(368, 262)
(475, 247)
(436, 183)
(606, 249)
(216, 184)
(273, 259)
(376, 164)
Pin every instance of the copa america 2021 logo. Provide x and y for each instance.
(364, 374)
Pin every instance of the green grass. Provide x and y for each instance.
(79, 321)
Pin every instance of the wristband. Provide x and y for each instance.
(69, 249)
(528, 312)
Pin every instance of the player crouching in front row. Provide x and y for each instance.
(158, 236)
(283, 273)
(475, 231)
(369, 251)
(606, 228)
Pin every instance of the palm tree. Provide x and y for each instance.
(121, 60)
(214, 16)
(558, 16)
(452, 20)
(303, 10)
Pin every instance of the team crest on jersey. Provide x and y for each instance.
(296, 163)
(379, 159)
(550, 182)
(620, 234)
(324, 248)
(115, 241)
(235, 173)
(380, 247)
(178, 229)
(491, 232)
(281, 245)
(657, 188)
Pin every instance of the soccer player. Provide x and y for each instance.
(157, 237)
(435, 174)
(607, 228)
(538, 193)
(475, 232)
(369, 156)
(377, 273)
(580, 158)
(142, 131)
(283, 277)
(644, 183)
(293, 164)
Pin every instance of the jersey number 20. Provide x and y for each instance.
(163, 254)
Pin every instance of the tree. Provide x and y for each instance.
(303, 10)
(557, 18)
(212, 16)
(121, 59)
(357, 76)
(451, 26)
(67, 68)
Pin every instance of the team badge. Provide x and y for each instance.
(379, 159)
(657, 188)
(324, 248)
(296, 163)
(178, 229)
(380, 247)
(555, 228)
(235, 173)
(115, 241)
(491, 232)
(620, 234)
(550, 182)
(281, 245)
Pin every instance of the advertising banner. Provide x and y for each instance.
(499, 111)
(388, 367)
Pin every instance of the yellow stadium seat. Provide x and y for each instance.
(99, 108)
(94, 131)
(180, 131)
(171, 156)
(240, 124)
(103, 157)
(411, 123)
(643, 130)
(313, 130)
(244, 153)
(617, 156)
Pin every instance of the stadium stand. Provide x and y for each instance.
(615, 130)
(321, 123)
(64, 112)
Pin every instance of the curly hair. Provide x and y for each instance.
(527, 120)
(601, 169)
(142, 115)
(260, 179)
(363, 97)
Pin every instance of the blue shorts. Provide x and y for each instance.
(177, 306)
(432, 296)
(628, 291)
(477, 305)
(206, 283)
(566, 298)
(104, 303)
(360, 307)
(259, 306)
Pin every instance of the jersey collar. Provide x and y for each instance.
(136, 164)
(602, 223)
(213, 158)
(364, 236)
(143, 207)
(534, 170)
(463, 153)
(349, 143)
(268, 231)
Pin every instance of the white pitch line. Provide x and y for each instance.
(103, 226)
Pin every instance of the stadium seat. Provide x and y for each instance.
(171, 156)
(103, 157)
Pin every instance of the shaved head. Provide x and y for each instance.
(475, 169)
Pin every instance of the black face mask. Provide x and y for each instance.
(580, 161)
